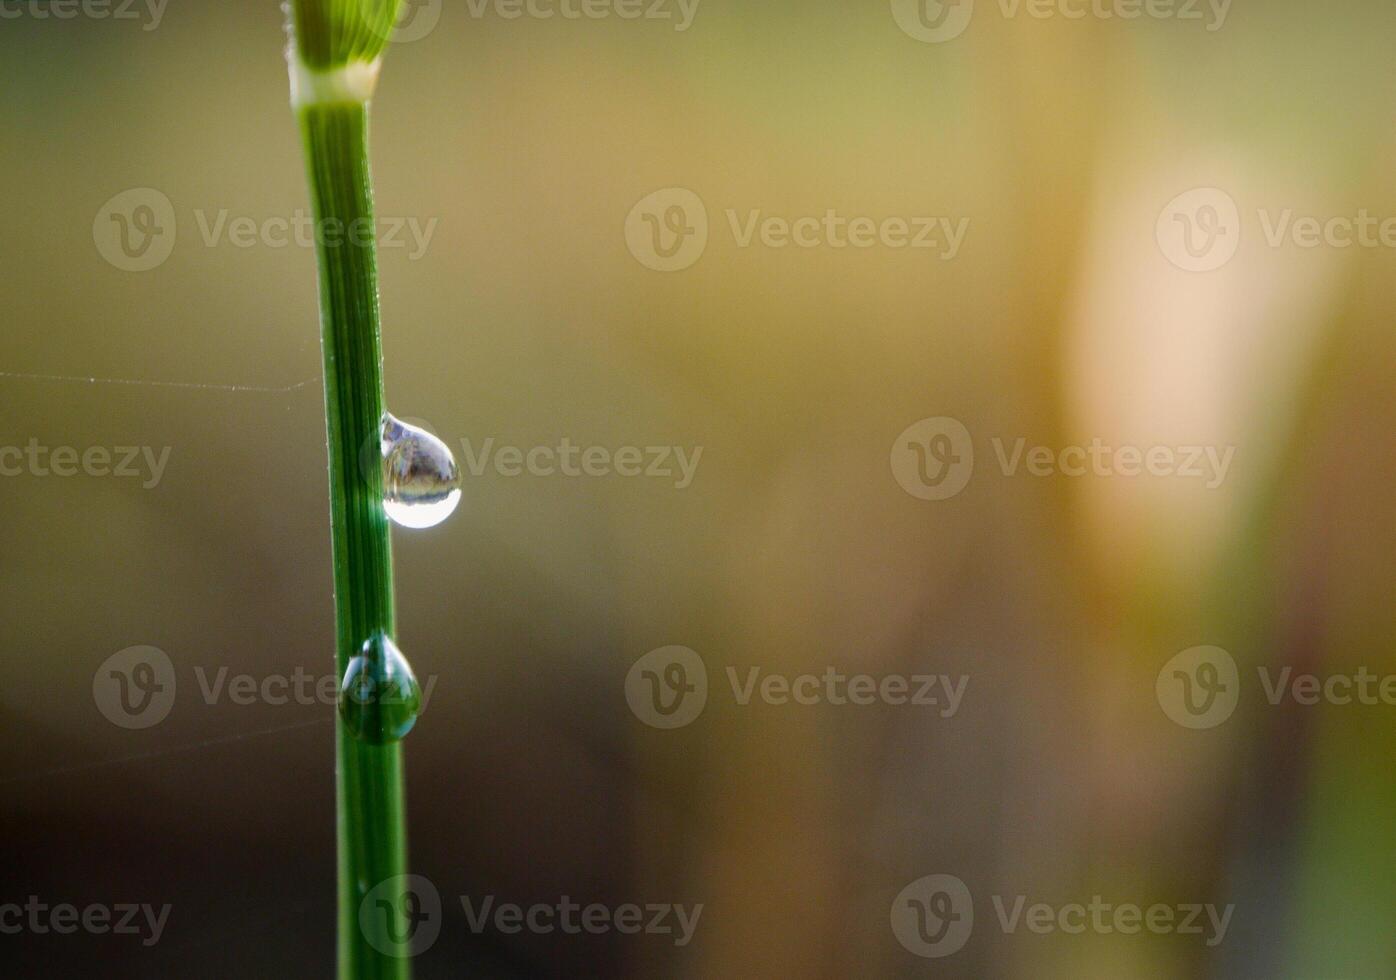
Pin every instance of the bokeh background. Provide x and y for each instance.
(528, 141)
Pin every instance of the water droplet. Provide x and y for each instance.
(379, 698)
(421, 482)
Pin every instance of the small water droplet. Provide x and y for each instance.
(379, 698)
(421, 482)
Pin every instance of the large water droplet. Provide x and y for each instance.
(379, 697)
(421, 482)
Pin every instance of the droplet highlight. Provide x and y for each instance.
(421, 482)
(379, 698)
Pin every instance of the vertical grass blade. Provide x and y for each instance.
(334, 63)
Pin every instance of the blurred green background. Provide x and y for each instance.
(527, 319)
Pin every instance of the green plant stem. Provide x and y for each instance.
(372, 833)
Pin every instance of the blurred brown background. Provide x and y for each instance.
(527, 319)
